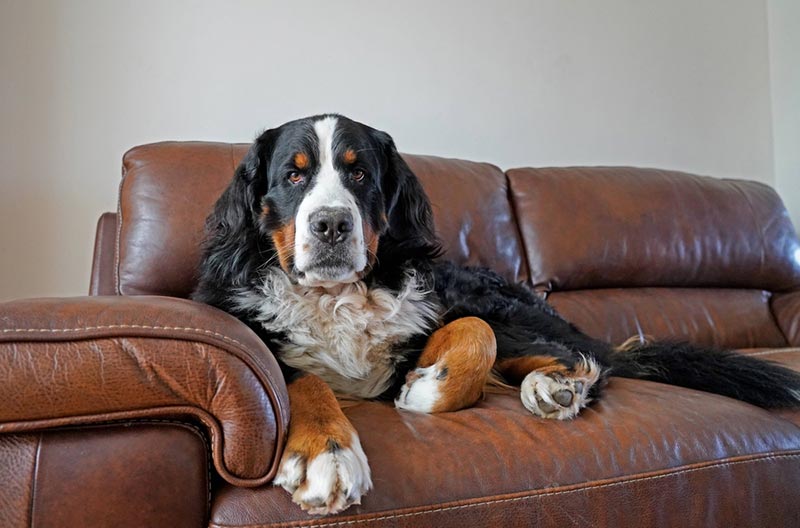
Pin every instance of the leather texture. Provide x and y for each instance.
(91, 477)
(168, 189)
(102, 277)
(607, 227)
(677, 497)
(732, 318)
(18, 467)
(786, 308)
(627, 460)
(472, 213)
(166, 193)
(95, 359)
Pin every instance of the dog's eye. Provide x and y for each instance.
(295, 177)
(358, 174)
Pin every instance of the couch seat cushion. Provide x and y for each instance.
(646, 454)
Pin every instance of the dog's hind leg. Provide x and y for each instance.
(453, 368)
(554, 381)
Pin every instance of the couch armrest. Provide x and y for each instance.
(97, 359)
(786, 308)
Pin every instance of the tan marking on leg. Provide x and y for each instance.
(301, 160)
(467, 348)
(514, 370)
(323, 465)
(283, 240)
(316, 418)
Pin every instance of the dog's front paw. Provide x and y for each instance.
(559, 396)
(325, 481)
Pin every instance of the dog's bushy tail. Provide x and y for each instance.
(724, 372)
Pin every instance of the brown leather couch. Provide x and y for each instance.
(136, 407)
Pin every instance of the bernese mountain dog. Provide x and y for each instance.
(324, 245)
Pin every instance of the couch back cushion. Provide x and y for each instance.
(623, 251)
(168, 189)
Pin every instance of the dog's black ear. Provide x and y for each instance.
(408, 210)
(236, 210)
(231, 238)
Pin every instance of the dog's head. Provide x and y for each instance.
(322, 197)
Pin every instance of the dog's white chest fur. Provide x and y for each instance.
(344, 335)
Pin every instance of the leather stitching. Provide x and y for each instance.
(111, 327)
(202, 331)
(589, 487)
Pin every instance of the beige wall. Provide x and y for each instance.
(682, 84)
(784, 45)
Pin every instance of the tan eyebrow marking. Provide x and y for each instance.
(349, 156)
(301, 160)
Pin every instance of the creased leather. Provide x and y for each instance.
(731, 318)
(643, 500)
(607, 227)
(92, 359)
(472, 213)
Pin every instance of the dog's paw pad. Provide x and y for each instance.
(328, 482)
(559, 396)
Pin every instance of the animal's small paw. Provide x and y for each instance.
(422, 390)
(557, 395)
(326, 482)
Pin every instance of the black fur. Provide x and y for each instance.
(239, 247)
(725, 372)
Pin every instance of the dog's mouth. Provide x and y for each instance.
(326, 277)
(328, 270)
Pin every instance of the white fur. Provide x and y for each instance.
(422, 394)
(292, 472)
(327, 191)
(345, 334)
(329, 482)
(538, 388)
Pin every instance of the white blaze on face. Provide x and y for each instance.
(327, 190)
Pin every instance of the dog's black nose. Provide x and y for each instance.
(331, 224)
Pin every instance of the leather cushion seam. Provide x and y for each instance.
(117, 243)
(110, 327)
